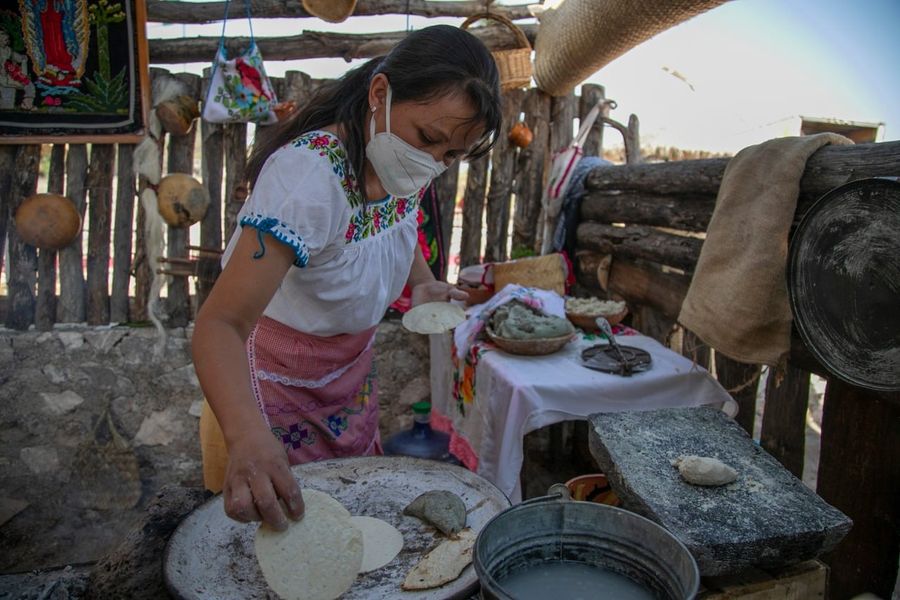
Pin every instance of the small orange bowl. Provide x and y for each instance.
(592, 488)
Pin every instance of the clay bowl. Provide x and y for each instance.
(589, 322)
(536, 347)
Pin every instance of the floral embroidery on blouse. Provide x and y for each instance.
(281, 231)
(375, 218)
(330, 147)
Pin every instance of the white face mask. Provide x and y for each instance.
(403, 169)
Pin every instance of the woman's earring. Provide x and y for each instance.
(374, 109)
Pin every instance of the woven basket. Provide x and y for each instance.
(537, 347)
(514, 65)
(546, 272)
(589, 322)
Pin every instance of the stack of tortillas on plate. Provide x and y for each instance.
(433, 317)
(319, 557)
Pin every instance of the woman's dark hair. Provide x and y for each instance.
(424, 65)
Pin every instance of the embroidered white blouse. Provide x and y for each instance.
(352, 259)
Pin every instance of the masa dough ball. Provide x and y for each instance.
(704, 470)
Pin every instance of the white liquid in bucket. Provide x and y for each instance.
(571, 581)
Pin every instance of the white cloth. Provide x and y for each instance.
(515, 395)
(548, 302)
(352, 259)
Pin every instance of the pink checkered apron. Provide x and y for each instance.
(317, 394)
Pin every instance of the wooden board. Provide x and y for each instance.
(804, 581)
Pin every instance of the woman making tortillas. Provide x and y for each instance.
(327, 240)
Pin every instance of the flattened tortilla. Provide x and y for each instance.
(382, 542)
(433, 317)
(316, 558)
(443, 564)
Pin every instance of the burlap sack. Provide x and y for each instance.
(578, 37)
(738, 300)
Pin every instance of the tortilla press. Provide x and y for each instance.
(613, 358)
(843, 277)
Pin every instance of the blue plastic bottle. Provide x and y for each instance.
(421, 440)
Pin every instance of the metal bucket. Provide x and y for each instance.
(553, 529)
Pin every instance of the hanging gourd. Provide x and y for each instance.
(333, 11)
(181, 200)
(48, 221)
(178, 114)
(520, 135)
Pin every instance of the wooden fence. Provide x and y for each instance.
(640, 237)
(110, 282)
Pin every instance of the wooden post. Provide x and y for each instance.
(211, 150)
(633, 141)
(181, 160)
(473, 211)
(859, 473)
(100, 175)
(71, 307)
(446, 186)
(503, 162)
(562, 116)
(693, 348)
(22, 257)
(7, 165)
(45, 310)
(235, 173)
(784, 418)
(741, 380)
(119, 309)
(591, 94)
(530, 169)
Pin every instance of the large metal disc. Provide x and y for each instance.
(844, 282)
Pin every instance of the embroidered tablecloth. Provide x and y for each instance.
(514, 395)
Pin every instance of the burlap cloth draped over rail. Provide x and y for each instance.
(738, 299)
(578, 37)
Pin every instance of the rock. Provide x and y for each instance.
(767, 518)
(415, 391)
(71, 340)
(134, 569)
(182, 377)
(60, 404)
(196, 408)
(10, 507)
(40, 459)
(68, 583)
(54, 374)
(159, 429)
(104, 340)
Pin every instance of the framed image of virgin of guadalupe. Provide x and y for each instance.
(73, 71)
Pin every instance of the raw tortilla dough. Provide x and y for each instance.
(316, 558)
(382, 542)
(704, 470)
(433, 317)
(443, 564)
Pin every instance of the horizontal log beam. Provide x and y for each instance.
(829, 167)
(311, 44)
(647, 284)
(640, 242)
(168, 11)
(690, 213)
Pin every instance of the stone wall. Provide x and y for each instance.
(93, 424)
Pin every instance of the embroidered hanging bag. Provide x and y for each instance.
(562, 167)
(239, 90)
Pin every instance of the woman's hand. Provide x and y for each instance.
(258, 484)
(436, 291)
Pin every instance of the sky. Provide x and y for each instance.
(734, 76)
